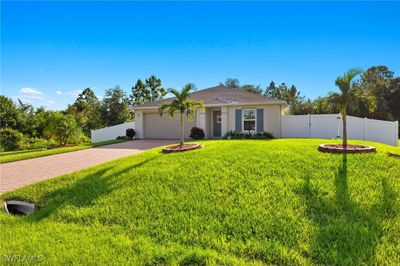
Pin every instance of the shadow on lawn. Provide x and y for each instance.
(85, 191)
(346, 233)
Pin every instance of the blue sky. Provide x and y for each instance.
(52, 50)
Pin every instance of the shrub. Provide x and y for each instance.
(10, 139)
(36, 143)
(63, 128)
(196, 133)
(239, 135)
(263, 135)
(122, 137)
(79, 138)
(130, 133)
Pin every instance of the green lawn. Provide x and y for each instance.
(6, 157)
(232, 202)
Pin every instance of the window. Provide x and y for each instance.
(249, 120)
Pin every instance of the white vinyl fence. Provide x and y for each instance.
(330, 126)
(109, 133)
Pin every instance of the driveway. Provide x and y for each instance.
(21, 173)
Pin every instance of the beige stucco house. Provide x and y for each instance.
(225, 109)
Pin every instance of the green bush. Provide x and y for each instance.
(130, 133)
(33, 143)
(79, 138)
(196, 133)
(10, 139)
(263, 135)
(239, 135)
(64, 129)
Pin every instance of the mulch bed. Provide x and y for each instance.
(61, 146)
(179, 148)
(351, 148)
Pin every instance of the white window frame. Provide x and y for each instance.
(255, 120)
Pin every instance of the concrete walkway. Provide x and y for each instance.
(21, 173)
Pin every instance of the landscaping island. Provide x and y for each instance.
(351, 148)
(181, 148)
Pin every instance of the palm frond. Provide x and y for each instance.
(174, 92)
(182, 103)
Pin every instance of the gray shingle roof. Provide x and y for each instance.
(220, 95)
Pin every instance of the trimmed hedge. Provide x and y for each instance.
(239, 135)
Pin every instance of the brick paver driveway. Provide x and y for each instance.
(17, 174)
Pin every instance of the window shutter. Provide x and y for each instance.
(260, 120)
(238, 120)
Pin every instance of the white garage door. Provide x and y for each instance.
(157, 127)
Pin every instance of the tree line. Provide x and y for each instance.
(378, 92)
(25, 127)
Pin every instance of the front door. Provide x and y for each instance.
(216, 124)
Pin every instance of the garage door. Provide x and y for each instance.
(157, 127)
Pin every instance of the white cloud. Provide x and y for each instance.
(36, 98)
(74, 93)
(59, 92)
(30, 94)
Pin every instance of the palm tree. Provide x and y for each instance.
(182, 104)
(349, 93)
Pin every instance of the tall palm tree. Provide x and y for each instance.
(182, 104)
(348, 93)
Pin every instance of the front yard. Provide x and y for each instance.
(232, 202)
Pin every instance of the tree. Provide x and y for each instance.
(305, 107)
(86, 110)
(157, 92)
(324, 105)
(232, 82)
(394, 99)
(182, 104)
(10, 115)
(62, 128)
(36, 122)
(347, 93)
(252, 88)
(273, 91)
(140, 94)
(291, 96)
(380, 82)
(87, 96)
(149, 91)
(114, 108)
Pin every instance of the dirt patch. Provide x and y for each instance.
(181, 148)
(351, 148)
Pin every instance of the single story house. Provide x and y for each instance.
(226, 109)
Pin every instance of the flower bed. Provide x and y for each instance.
(179, 148)
(351, 148)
